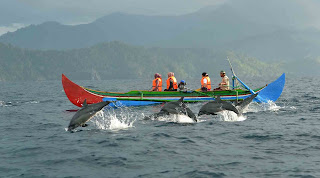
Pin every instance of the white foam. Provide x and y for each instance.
(258, 107)
(33, 102)
(114, 121)
(230, 116)
(292, 107)
(4, 104)
(177, 118)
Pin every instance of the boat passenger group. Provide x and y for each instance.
(173, 86)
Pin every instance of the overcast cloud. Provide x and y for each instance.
(15, 14)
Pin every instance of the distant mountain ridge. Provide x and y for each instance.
(271, 30)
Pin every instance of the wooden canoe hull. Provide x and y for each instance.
(77, 94)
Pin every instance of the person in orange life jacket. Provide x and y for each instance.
(157, 83)
(205, 82)
(171, 82)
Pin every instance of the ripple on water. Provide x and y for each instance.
(28, 151)
(260, 137)
(185, 140)
(161, 135)
(107, 143)
(269, 143)
(200, 173)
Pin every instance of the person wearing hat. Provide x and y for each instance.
(205, 82)
(157, 82)
(224, 84)
(182, 85)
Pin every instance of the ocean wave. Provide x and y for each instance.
(261, 137)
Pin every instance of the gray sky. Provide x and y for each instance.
(15, 14)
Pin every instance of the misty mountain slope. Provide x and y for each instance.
(117, 60)
(280, 45)
(134, 29)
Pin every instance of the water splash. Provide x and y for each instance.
(292, 107)
(258, 107)
(177, 118)
(230, 116)
(114, 119)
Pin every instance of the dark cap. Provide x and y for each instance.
(204, 74)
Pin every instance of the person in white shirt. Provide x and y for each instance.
(224, 84)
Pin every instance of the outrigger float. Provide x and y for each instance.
(77, 94)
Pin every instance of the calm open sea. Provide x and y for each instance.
(279, 139)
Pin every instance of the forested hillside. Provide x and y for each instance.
(116, 60)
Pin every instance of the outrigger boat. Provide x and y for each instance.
(77, 94)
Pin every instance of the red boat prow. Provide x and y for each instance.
(78, 94)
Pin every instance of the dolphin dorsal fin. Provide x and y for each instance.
(218, 98)
(181, 99)
(84, 104)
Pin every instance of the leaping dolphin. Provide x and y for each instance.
(218, 105)
(85, 114)
(175, 107)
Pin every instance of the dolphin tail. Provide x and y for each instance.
(242, 105)
(218, 98)
(228, 106)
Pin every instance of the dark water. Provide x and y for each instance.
(272, 140)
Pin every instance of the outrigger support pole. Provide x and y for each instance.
(246, 86)
(233, 74)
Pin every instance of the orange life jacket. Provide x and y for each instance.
(208, 83)
(175, 85)
(154, 84)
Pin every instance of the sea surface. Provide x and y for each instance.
(280, 139)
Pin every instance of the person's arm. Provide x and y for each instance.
(155, 88)
(157, 85)
(171, 85)
(224, 82)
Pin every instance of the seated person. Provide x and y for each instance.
(224, 84)
(157, 83)
(171, 82)
(205, 82)
(182, 85)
